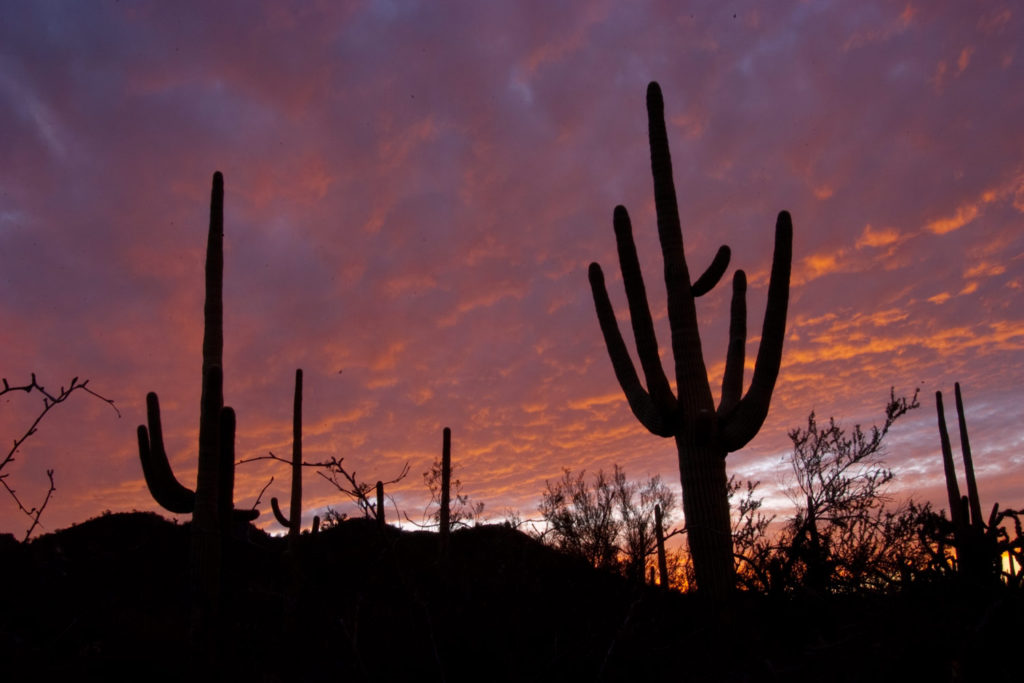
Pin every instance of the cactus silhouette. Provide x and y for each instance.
(211, 504)
(444, 516)
(381, 522)
(659, 535)
(703, 434)
(979, 543)
(294, 522)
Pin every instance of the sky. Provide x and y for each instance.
(414, 191)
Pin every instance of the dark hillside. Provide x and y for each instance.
(108, 598)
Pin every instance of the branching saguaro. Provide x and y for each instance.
(211, 503)
(704, 434)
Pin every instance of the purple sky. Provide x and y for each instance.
(414, 191)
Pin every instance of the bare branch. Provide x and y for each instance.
(50, 400)
(262, 491)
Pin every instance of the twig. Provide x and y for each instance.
(49, 401)
(262, 491)
(356, 490)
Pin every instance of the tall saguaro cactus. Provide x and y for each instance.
(211, 504)
(704, 434)
(294, 521)
(444, 515)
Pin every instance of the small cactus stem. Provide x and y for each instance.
(380, 505)
(293, 522)
(974, 501)
(316, 524)
(659, 534)
(444, 517)
(952, 489)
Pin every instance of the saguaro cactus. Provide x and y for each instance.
(444, 515)
(211, 504)
(294, 522)
(704, 435)
(659, 535)
(381, 522)
(979, 543)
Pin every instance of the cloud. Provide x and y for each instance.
(415, 208)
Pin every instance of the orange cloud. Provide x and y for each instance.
(969, 211)
(964, 214)
(816, 265)
(877, 238)
(879, 35)
(985, 270)
(823, 192)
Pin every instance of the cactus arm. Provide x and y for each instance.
(974, 500)
(639, 400)
(952, 489)
(279, 516)
(750, 413)
(165, 488)
(225, 503)
(707, 281)
(640, 315)
(732, 378)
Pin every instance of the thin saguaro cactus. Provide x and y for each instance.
(659, 535)
(704, 434)
(979, 542)
(294, 521)
(444, 515)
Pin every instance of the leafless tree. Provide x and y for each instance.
(844, 536)
(362, 493)
(751, 544)
(461, 511)
(610, 522)
(49, 401)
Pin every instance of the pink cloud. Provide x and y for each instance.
(413, 194)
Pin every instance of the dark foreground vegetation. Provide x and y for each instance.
(107, 599)
(135, 597)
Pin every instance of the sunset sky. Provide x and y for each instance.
(414, 191)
